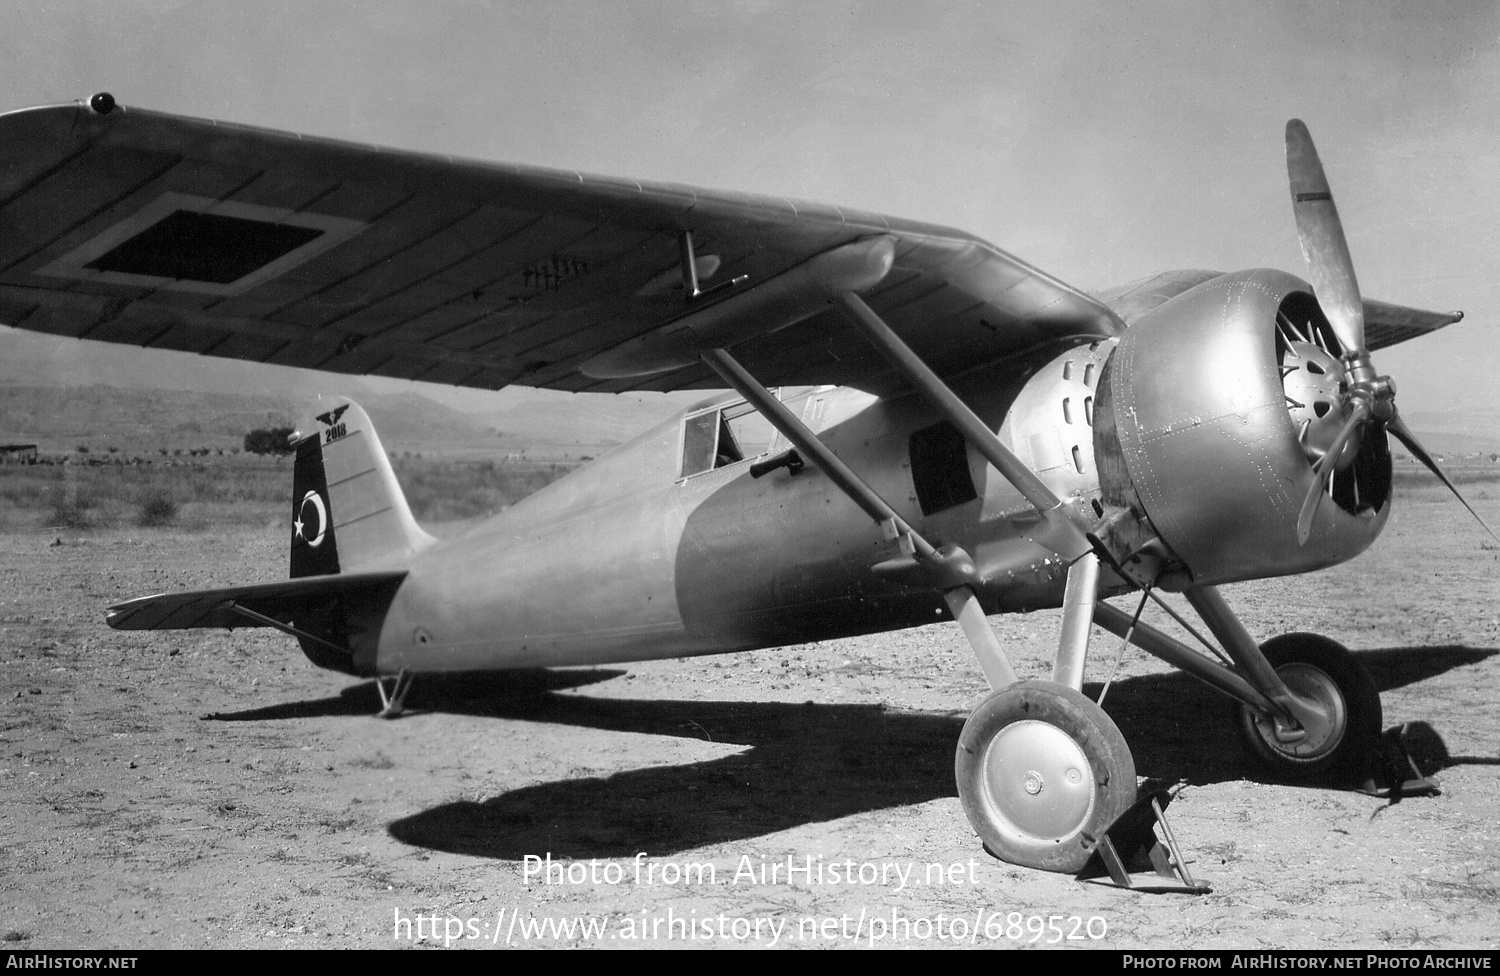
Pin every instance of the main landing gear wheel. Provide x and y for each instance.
(1334, 749)
(1042, 772)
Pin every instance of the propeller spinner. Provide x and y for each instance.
(1365, 395)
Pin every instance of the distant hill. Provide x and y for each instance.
(144, 421)
(1455, 431)
(540, 423)
(63, 392)
(135, 421)
(32, 359)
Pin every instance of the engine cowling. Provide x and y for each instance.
(1198, 438)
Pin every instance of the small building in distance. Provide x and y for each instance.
(17, 453)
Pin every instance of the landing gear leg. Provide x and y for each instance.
(1325, 719)
(1042, 771)
(964, 606)
(1305, 707)
(394, 701)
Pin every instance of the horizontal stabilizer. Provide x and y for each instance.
(281, 599)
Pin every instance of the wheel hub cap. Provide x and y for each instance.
(1324, 723)
(1038, 780)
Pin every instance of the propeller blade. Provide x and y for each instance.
(1403, 433)
(1324, 469)
(1323, 245)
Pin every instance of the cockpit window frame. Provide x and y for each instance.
(708, 456)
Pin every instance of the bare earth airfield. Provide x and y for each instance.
(213, 789)
(216, 790)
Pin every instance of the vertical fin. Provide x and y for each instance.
(348, 511)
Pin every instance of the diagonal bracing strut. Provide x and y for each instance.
(951, 568)
(1062, 529)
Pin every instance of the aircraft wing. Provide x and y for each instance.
(211, 608)
(155, 230)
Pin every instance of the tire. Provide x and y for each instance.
(1315, 667)
(1042, 771)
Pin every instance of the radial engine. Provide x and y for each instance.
(1211, 416)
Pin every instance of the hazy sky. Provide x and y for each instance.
(1100, 141)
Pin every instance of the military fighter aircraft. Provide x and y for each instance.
(958, 433)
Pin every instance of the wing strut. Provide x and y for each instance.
(950, 568)
(957, 413)
(1062, 528)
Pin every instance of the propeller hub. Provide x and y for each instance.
(1360, 370)
(1362, 382)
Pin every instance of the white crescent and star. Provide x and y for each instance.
(317, 503)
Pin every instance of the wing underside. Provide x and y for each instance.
(174, 233)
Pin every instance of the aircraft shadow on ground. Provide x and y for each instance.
(1181, 731)
(455, 693)
(796, 764)
(801, 763)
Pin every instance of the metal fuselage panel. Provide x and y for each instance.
(624, 560)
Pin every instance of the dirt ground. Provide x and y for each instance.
(205, 789)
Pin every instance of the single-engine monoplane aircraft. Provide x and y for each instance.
(956, 434)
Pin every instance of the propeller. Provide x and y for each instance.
(1368, 397)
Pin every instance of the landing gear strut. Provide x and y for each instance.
(394, 701)
(1305, 707)
(1042, 771)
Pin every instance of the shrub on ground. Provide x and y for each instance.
(72, 509)
(157, 510)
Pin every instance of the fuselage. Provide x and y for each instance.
(637, 556)
(1174, 441)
